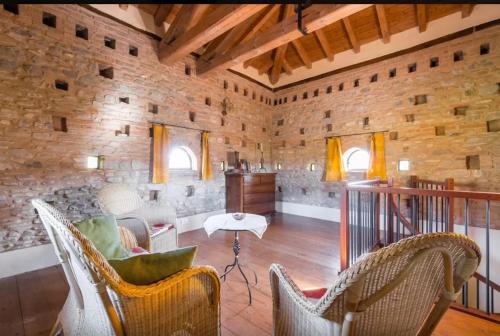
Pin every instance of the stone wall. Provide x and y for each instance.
(48, 73)
(436, 117)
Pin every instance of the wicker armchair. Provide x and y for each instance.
(126, 204)
(402, 289)
(101, 303)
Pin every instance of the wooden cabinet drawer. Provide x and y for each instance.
(259, 208)
(267, 179)
(251, 179)
(258, 198)
(259, 188)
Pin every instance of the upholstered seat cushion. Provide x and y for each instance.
(146, 269)
(315, 294)
(103, 233)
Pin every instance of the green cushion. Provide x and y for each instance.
(146, 269)
(103, 233)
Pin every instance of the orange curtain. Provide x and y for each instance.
(206, 167)
(160, 154)
(377, 168)
(334, 165)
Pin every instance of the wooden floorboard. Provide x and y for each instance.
(308, 248)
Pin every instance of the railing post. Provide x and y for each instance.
(450, 185)
(344, 228)
(413, 181)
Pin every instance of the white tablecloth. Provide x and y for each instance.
(253, 223)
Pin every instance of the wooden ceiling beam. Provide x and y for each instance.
(301, 51)
(178, 26)
(382, 23)
(279, 54)
(286, 66)
(173, 13)
(325, 45)
(162, 13)
(314, 18)
(265, 18)
(421, 17)
(351, 35)
(216, 23)
(198, 12)
(265, 66)
(467, 10)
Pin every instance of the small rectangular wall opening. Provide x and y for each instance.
(243, 143)
(13, 8)
(328, 114)
(294, 98)
(356, 82)
(61, 85)
(458, 56)
(59, 124)
(302, 130)
(236, 88)
(341, 87)
(255, 96)
(227, 141)
(410, 117)
(49, 19)
(460, 110)
(304, 95)
(420, 99)
(192, 116)
(366, 122)
(472, 162)
(493, 125)
(285, 100)
(329, 127)
(329, 89)
(225, 85)
(316, 92)
(243, 127)
(153, 195)
(277, 133)
(279, 101)
(302, 143)
(152, 108)
(434, 62)
(81, 32)
(124, 100)
(222, 121)
(109, 42)
(275, 102)
(439, 130)
(208, 101)
(393, 135)
(331, 194)
(374, 78)
(412, 67)
(264, 129)
(245, 92)
(106, 71)
(281, 122)
(392, 73)
(133, 51)
(484, 49)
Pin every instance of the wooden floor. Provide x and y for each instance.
(307, 247)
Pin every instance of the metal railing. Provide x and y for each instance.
(375, 213)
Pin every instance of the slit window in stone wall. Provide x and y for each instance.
(49, 19)
(434, 62)
(420, 99)
(341, 87)
(294, 98)
(222, 121)
(277, 133)
(412, 67)
(59, 124)
(243, 127)
(13, 8)
(472, 162)
(182, 158)
(458, 56)
(124, 100)
(374, 78)
(61, 85)
(236, 89)
(152, 108)
(392, 73)
(275, 102)
(245, 92)
(304, 95)
(393, 135)
(133, 51)
(356, 82)
(366, 122)
(281, 122)
(106, 71)
(410, 117)
(192, 116)
(316, 92)
(254, 95)
(261, 98)
(460, 110)
(153, 195)
(109, 42)
(279, 101)
(328, 114)
(302, 143)
(264, 129)
(484, 49)
(285, 100)
(302, 130)
(329, 127)
(81, 32)
(225, 85)
(187, 69)
(208, 101)
(331, 194)
(329, 89)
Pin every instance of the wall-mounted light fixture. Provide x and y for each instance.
(312, 167)
(404, 165)
(278, 166)
(222, 165)
(95, 162)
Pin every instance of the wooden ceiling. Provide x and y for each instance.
(266, 37)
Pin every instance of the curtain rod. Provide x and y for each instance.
(178, 126)
(346, 135)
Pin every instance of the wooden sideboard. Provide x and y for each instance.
(250, 192)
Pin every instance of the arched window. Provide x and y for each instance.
(356, 159)
(182, 158)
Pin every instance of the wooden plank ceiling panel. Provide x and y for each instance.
(400, 17)
(365, 25)
(436, 11)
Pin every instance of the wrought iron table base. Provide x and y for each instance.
(236, 263)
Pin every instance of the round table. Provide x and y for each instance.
(252, 223)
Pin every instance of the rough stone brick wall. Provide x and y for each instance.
(37, 161)
(473, 83)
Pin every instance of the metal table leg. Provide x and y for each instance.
(236, 263)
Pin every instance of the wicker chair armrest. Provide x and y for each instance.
(139, 227)
(280, 279)
(155, 214)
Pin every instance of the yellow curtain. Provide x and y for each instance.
(377, 157)
(206, 167)
(334, 165)
(160, 154)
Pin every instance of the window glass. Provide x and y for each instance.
(356, 159)
(181, 158)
